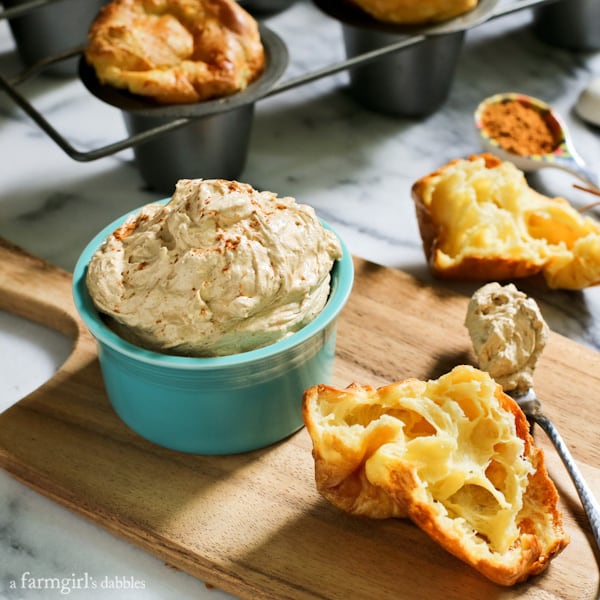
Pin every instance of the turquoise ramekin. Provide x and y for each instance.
(220, 405)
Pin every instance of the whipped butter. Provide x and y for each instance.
(220, 269)
(508, 334)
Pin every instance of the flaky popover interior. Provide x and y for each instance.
(453, 454)
(479, 220)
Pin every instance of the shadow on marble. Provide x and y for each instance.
(86, 204)
(567, 312)
(307, 132)
(503, 54)
(33, 89)
(19, 339)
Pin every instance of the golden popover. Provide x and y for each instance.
(453, 454)
(415, 12)
(480, 220)
(175, 51)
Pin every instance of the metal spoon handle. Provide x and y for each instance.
(576, 166)
(590, 504)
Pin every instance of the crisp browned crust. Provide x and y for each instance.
(175, 51)
(413, 12)
(479, 220)
(454, 455)
(428, 228)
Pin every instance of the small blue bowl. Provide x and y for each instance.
(220, 405)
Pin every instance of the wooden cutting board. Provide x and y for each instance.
(253, 524)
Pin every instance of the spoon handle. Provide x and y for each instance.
(574, 164)
(590, 504)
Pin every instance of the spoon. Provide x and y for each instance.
(532, 408)
(563, 156)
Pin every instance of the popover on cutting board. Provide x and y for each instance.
(454, 455)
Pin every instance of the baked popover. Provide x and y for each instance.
(175, 51)
(480, 220)
(453, 454)
(415, 12)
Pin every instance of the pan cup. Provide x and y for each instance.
(413, 75)
(265, 8)
(216, 147)
(570, 24)
(52, 29)
(213, 142)
(412, 82)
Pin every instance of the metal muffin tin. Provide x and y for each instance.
(50, 29)
(412, 83)
(349, 13)
(204, 145)
(573, 25)
(174, 118)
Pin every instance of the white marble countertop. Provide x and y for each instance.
(315, 143)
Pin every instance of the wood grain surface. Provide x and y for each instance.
(253, 524)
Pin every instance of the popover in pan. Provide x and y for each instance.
(175, 51)
(415, 12)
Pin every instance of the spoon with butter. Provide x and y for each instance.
(508, 334)
(529, 133)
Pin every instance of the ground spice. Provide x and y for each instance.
(519, 128)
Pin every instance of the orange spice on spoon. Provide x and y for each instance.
(529, 133)
(520, 128)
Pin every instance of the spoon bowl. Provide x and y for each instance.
(563, 155)
(532, 408)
